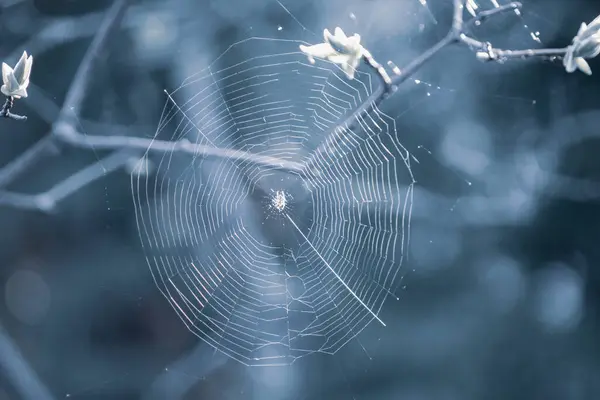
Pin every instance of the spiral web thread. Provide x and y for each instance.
(263, 285)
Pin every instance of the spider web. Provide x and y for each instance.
(267, 285)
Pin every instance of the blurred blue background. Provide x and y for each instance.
(500, 297)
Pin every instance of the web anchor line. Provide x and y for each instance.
(339, 278)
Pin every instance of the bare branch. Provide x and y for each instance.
(5, 111)
(457, 16)
(63, 132)
(485, 50)
(76, 93)
(48, 200)
(456, 35)
(40, 103)
(76, 139)
(32, 155)
(182, 374)
(23, 201)
(20, 374)
(483, 16)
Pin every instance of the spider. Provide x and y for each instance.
(279, 201)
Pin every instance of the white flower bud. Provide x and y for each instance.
(338, 49)
(15, 81)
(586, 45)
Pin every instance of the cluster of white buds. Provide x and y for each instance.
(338, 48)
(586, 44)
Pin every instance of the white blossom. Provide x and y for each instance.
(338, 48)
(586, 44)
(15, 81)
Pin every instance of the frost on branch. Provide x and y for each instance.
(586, 44)
(14, 84)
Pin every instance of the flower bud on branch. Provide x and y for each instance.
(14, 84)
(586, 44)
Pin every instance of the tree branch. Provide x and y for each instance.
(456, 35)
(457, 16)
(63, 130)
(483, 16)
(48, 200)
(19, 372)
(5, 111)
(70, 136)
(27, 159)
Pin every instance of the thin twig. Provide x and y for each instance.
(48, 200)
(27, 159)
(483, 16)
(458, 34)
(486, 52)
(493, 54)
(40, 103)
(5, 111)
(21, 375)
(76, 94)
(182, 374)
(184, 146)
